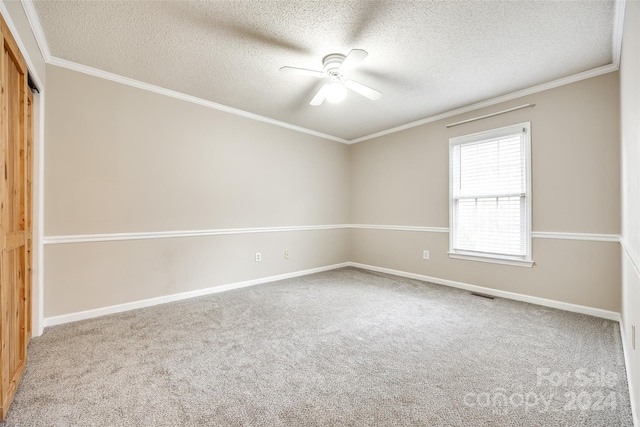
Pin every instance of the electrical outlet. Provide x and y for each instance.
(633, 336)
(286, 254)
(425, 254)
(258, 257)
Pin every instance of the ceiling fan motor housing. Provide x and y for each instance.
(331, 64)
(335, 65)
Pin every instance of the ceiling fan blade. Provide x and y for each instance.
(363, 90)
(320, 96)
(355, 56)
(301, 71)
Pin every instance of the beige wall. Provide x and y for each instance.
(100, 274)
(120, 159)
(402, 179)
(587, 274)
(630, 125)
(124, 160)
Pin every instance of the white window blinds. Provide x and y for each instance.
(490, 193)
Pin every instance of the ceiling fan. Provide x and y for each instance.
(335, 66)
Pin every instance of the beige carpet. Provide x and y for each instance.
(342, 348)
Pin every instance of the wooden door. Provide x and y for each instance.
(15, 218)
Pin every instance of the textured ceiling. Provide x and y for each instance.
(426, 57)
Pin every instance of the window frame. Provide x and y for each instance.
(527, 260)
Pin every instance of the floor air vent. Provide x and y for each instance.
(475, 294)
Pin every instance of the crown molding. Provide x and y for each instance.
(49, 59)
(594, 72)
(36, 27)
(74, 66)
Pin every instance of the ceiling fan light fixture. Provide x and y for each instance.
(334, 67)
(336, 92)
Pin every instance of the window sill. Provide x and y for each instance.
(493, 260)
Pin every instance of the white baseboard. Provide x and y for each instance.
(605, 314)
(627, 356)
(88, 314)
(103, 311)
(610, 315)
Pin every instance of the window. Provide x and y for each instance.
(490, 196)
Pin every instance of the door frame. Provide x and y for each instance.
(37, 284)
